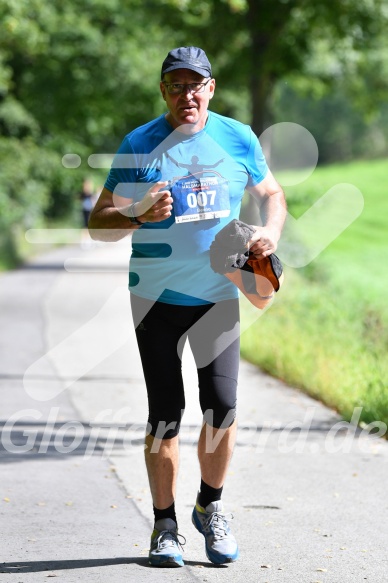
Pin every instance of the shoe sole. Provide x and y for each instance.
(215, 559)
(168, 563)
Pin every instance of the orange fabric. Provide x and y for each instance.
(263, 267)
(263, 277)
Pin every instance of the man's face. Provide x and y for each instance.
(186, 107)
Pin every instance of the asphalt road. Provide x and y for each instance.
(308, 493)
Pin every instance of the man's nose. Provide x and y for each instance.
(187, 91)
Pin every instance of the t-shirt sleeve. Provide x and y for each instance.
(256, 162)
(122, 177)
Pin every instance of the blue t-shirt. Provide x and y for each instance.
(207, 173)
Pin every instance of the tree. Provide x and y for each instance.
(283, 33)
(75, 76)
(255, 43)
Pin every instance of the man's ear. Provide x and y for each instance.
(212, 88)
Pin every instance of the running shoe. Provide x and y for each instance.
(212, 523)
(166, 545)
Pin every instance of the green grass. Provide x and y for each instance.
(327, 332)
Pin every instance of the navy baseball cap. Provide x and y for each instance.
(192, 58)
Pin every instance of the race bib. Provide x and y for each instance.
(198, 198)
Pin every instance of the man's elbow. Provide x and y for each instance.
(95, 231)
(95, 234)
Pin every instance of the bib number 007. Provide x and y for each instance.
(201, 199)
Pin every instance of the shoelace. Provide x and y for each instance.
(166, 538)
(217, 523)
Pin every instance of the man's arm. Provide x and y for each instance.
(273, 209)
(109, 219)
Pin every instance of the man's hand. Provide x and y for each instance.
(270, 197)
(109, 219)
(263, 242)
(156, 206)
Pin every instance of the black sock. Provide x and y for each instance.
(165, 513)
(208, 494)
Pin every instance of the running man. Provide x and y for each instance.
(175, 295)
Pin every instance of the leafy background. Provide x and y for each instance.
(77, 75)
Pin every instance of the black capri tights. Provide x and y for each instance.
(214, 335)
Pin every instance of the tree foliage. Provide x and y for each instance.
(76, 75)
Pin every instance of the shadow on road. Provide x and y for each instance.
(39, 566)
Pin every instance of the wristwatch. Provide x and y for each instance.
(134, 220)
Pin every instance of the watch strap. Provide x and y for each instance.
(131, 215)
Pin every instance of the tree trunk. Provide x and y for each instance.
(260, 83)
(260, 86)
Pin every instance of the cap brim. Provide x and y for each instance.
(203, 72)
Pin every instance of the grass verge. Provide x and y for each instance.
(327, 331)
